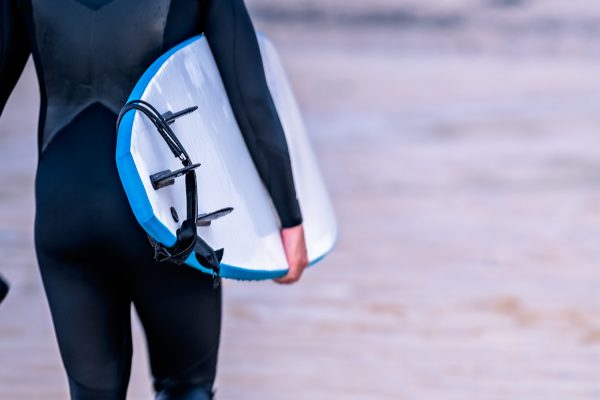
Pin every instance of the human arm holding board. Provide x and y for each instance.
(237, 55)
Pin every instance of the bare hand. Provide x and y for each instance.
(294, 246)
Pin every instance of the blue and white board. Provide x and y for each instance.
(187, 76)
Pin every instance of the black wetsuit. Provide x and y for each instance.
(94, 258)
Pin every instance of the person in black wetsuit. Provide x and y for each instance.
(94, 258)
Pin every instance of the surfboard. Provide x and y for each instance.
(187, 76)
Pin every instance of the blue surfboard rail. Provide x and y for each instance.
(136, 193)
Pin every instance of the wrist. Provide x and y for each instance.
(293, 223)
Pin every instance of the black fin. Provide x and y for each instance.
(170, 116)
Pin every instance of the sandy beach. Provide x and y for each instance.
(461, 146)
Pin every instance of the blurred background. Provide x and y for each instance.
(460, 141)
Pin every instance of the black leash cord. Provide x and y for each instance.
(161, 125)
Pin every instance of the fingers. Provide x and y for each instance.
(293, 274)
(287, 280)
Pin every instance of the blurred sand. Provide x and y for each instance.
(464, 164)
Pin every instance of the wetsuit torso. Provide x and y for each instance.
(94, 258)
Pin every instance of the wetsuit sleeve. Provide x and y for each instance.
(232, 39)
(14, 49)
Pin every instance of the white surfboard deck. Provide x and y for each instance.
(187, 76)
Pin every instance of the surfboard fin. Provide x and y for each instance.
(206, 218)
(167, 177)
(170, 116)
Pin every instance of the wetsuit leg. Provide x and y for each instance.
(180, 311)
(95, 261)
(85, 279)
(90, 303)
(91, 315)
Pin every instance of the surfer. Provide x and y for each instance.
(94, 258)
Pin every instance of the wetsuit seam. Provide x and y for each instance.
(54, 133)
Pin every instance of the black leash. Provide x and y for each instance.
(188, 240)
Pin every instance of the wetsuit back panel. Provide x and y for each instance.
(111, 41)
